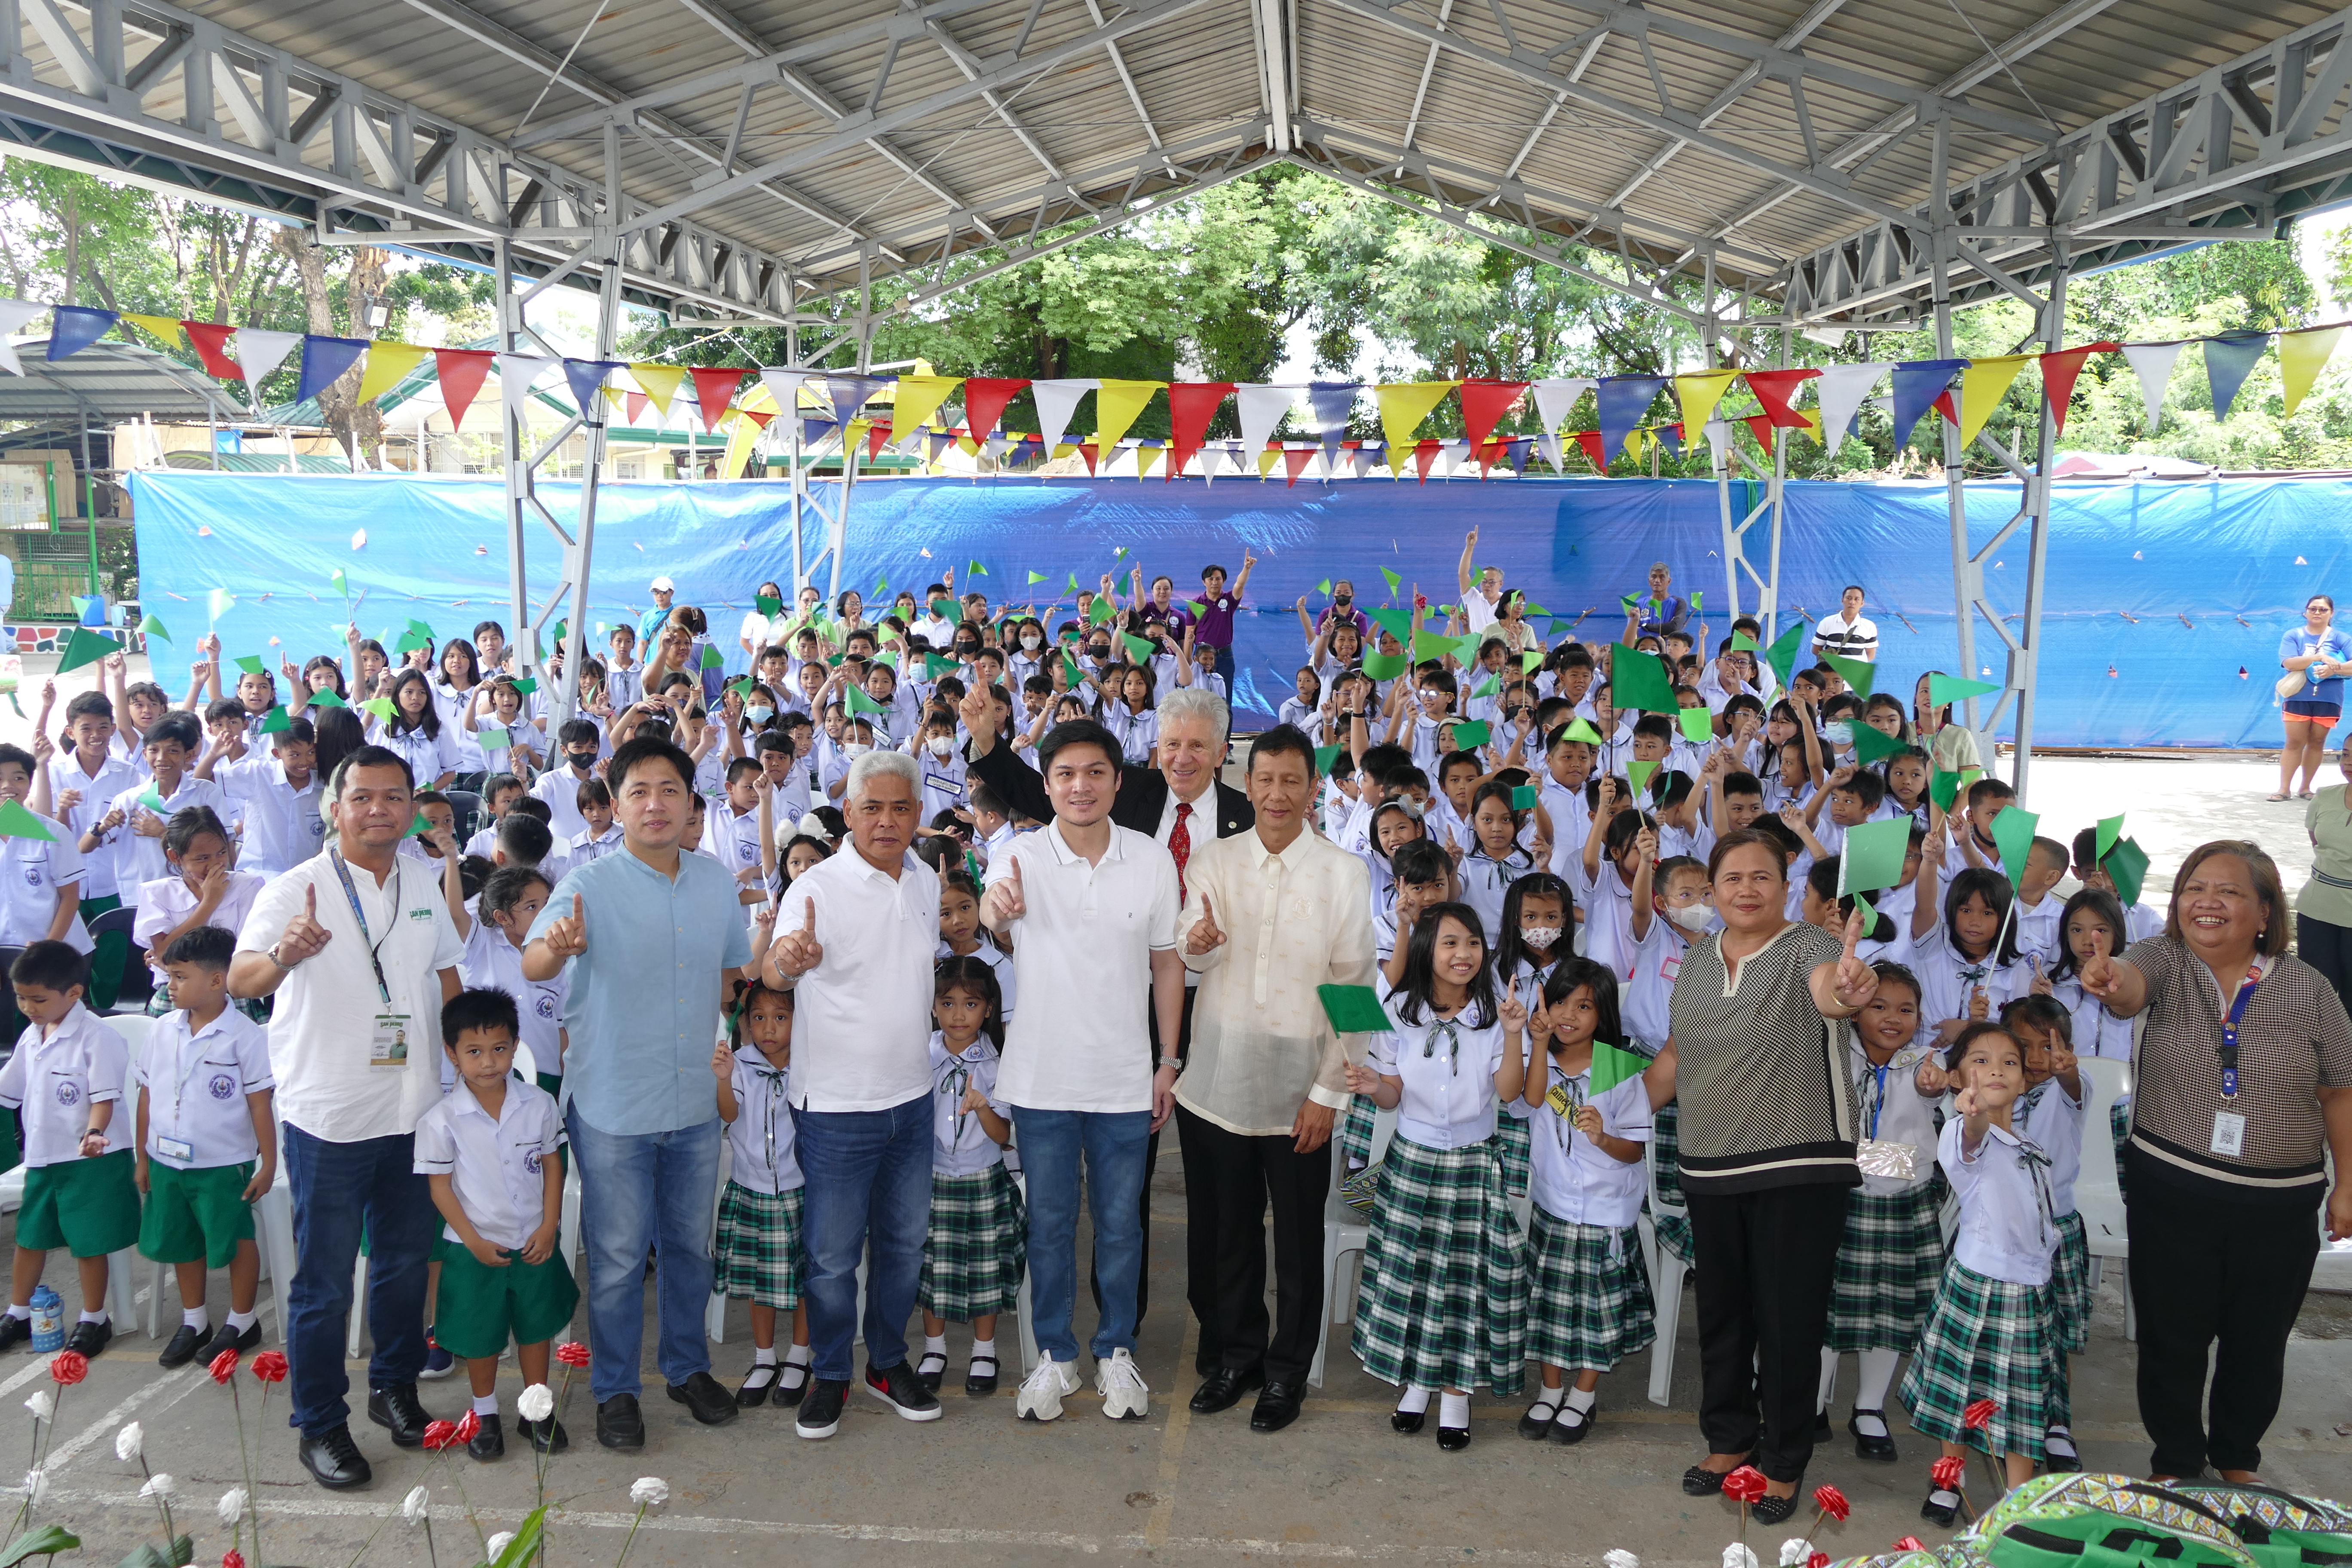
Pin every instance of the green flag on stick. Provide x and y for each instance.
(1612, 1065)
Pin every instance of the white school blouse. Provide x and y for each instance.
(2047, 1115)
(1946, 980)
(761, 1136)
(1890, 1108)
(960, 1146)
(1570, 1176)
(1485, 881)
(1448, 1068)
(2005, 1231)
(2097, 1032)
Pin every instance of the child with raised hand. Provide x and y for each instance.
(978, 1243)
(1535, 937)
(1442, 1216)
(1588, 1295)
(1626, 841)
(495, 930)
(1822, 905)
(2050, 1114)
(1127, 709)
(757, 1254)
(1893, 1255)
(207, 1147)
(2037, 913)
(1964, 950)
(203, 889)
(487, 1151)
(2141, 921)
(1906, 785)
(1989, 1334)
(40, 879)
(2091, 925)
(962, 936)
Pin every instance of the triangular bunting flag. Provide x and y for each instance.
(516, 372)
(1190, 405)
(2059, 370)
(13, 315)
(1296, 458)
(1333, 402)
(1403, 406)
(585, 378)
(849, 393)
(2153, 364)
(2302, 356)
(1556, 399)
(1917, 385)
(984, 397)
(163, 328)
(1840, 395)
(210, 340)
(1260, 409)
(1624, 400)
(919, 397)
(1982, 386)
(659, 382)
(75, 327)
(2228, 359)
(1589, 441)
(1057, 401)
(324, 361)
(1484, 401)
(460, 372)
(714, 389)
(260, 353)
(1117, 403)
(388, 365)
(1776, 390)
(1698, 391)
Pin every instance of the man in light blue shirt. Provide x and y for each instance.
(654, 936)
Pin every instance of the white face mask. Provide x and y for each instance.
(856, 749)
(941, 744)
(1544, 937)
(1692, 918)
(1031, 644)
(759, 715)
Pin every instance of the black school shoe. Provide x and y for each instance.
(757, 1386)
(1535, 1424)
(548, 1436)
(931, 1370)
(979, 1384)
(183, 1349)
(1866, 1447)
(1941, 1507)
(1573, 1426)
(13, 1332)
(791, 1390)
(228, 1338)
(91, 1339)
(488, 1442)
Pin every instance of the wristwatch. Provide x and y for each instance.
(1175, 1062)
(270, 952)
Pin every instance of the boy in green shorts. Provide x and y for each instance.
(207, 1149)
(487, 1151)
(65, 1077)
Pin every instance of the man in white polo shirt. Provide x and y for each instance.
(1846, 634)
(1482, 587)
(1092, 908)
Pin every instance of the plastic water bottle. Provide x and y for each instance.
(49, 1320)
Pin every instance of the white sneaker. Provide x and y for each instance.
(1042, 1392)
(1124, 1395)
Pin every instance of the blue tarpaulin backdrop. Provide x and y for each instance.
(2159, 594)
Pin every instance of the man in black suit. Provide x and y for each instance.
(1180, 802)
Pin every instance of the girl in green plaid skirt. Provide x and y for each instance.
(978, 1242)
(1987, 1362)
(1443, 1299)
(1533, 939)
(758, 1253)
(2051, 1113)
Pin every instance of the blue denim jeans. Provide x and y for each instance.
(339, 1188)
(1113, 1145)
(868, 1184)
(640, 1191)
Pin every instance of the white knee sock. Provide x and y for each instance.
(1413, 1401)
(980, 1347)
(1829, 1378)
(1453, 1411)
(1877, 1377)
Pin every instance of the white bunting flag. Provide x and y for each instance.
(13, 315)
(2153, 361)
(1556, 400)
(1842, 388)
(1261, 408)
(1057, 401)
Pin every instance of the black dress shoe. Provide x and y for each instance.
(548, 1436)
(89, 1339)
(394, 1406)
(619, 1423)
(1454, 1439)
(1277, 1406)
(1822, 1430)
(931, 1370)
(13, 1330)
(228, 1338)
(1572, 1425)
(488, 1442)
(1866, 1447)
(757, 1384)
(183, 1349)
(1771, 1510)
(335, 1462)
(1408, 1421)
(789, 1393)
(1936, 1511)
(979, 1384)
(706, 1399)
(1223, 1389)
(1700, 1481)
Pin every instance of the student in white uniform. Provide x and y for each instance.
(203, 889)
(1964, 949)
(40, 878)
(415, 731)
(139, 816)
(579, 742)
(757, 1254)
(493, 929)
(1495, 860)
(2092, 923)
(277, 796)
(2051, 1114)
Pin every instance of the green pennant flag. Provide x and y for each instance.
(1782, 655)
(1465, 648)
(1742, 643)
(1947, 688)
(2126, 866)
(945, 609)
(154, 801)
(712, 657)
(149, 627)
(888, 655)
(1036, 578)
(1529, 662)
(1639, 681)
(1868, 912)
(1872, 855)
(1699, 600)
(563, 627)
(1100, 611)
(1638, 773)
(1524, 797)
(1469, 734)
(2110, 829)
(1612, 1065)
(380, 705)
(16, 821)
(1395, 582)
(1943, 789)
(1070, 668)
(491, 738)
(250, 663)
(325, 698)
(1385, 665)
(1580, 729)
(276, 722)
(342, 584)
(410, 642)
(1354, 1010)
(85, 647)
(934, 666)
(1324, 757)
(857, 702)
(742, 687)
(421, 628)
(1699, 725)
(1138, 649)
(1429, 644)
(975, 570)
(1490, 687)
(217, 603)
(766, 603)
(1871, 744)
(881, 587)
(1858, 673)
(526, 686)
(1196, 606)
(1396, 623)
(2012, 833)
(417, 827)
(1074, 584)
(1324, 587)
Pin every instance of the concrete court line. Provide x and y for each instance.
(1171, 1442)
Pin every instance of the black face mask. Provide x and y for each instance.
(583, 761)
(1100, 651)
(1342, 601)
(967, 649)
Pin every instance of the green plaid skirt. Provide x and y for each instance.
(1588, 1293)
(1355, 1135)
(978, 1245)
(1665, 1144)
(1887, 1269)
(2119, 1128)
(758, 1256)
(1511, 1148)
(1985, 1339)
(1443, 1303)
(2070, 1283)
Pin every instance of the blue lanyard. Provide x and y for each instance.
(2229, 1034)
(343, 874)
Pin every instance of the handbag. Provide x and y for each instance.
(2292, 681)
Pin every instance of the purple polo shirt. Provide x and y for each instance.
(1214, 626)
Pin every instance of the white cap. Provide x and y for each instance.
(664, 585)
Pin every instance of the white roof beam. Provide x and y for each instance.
(1119, 64)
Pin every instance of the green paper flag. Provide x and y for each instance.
(2110, 829)
(325, 698)
(1324, 587)
(1036, 578)
(1633, 606)
(1529, 662)
(342, 584)
(1354, 1010)
(1431, 644)
(1638, 772)
(1782, 655)
(83, 647)
(1471, 733)
(1490, 687)
(526, 686)
(1074, 583)
(858, 702)
(766, 604)
(975, 570)
(250, 663)
(1871, 744)
(1873, 854)
(1385, 666)
(417, 827)
(1699, 725)
(562, 627)
(881, 587)
(1944, 789)
(1699, 600)
(17, 822)
(410, 642)
(1395, 582)
(1639, 681)
(1138, 649)
(1858, 672)
(1100, 611)
(1580, 729)
(934, 666)
(2012, 833)
(422, 628)
(742, 689)
(1070, 668)
(1524, 797)
(1396, 623)
(491, 738)
(1324, 757)
(276, 722)
(712, 657)
(149, 627)
(1612, 1065)
(1944, 688)
(380, 705)
(1196, 606)
(152, 800)
(1742, 643)
(945, 609)
(217, 603)
(2126, 866)
(1465, 649)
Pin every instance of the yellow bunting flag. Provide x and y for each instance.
(1813, 422)
(1636, 443)
(919, 397)
(1403, 406)
(1117, 403)
(1273, 454)
(659, 382)
(163, 328)
(1982, 386)
(1145, 456)
(969, 447)
(743, 430)
(388, 365)
(2302, 356)
(1698, 392)
(616, 401)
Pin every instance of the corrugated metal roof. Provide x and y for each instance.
(108, 383)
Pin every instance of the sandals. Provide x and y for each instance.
(931, 1369)
(2278, 798)
(979, 1383)
(1536, 1425)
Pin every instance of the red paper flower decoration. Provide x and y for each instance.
(269, 1366)
(468, 1425)
(68, 1367)
(1831, 1501)
(1910, 1543)
(1818, 1559)
(571, 1353)
(439, 1435)
(232, 1558)
(1947, 1472)
(1744, 1484)
(223, 1366)
(1979, 1414)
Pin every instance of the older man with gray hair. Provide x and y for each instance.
(854, 942)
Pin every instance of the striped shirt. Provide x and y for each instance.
(1766, 1102)
(2293, 1040)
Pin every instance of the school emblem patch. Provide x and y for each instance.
(531, 1161)
(222, 1085)
(32, 875)
(68, 1094)
(545, 1005)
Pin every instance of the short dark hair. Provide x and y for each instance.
(578, 729)
(207, 947)
(1421, 860)
(508, 886)
(224, 708)
(2043, 1013)
(187, 825)
(1282, 738)
(299, 732)
(19, 755)
(1076, 733)
(1866, 786)
(1741, 783)
(590, 792)
(496, 782)
(52, 966)
(90, 702)
(525, 839)
(531, 806)
(478, 1007)
(180, 727)
(369, 757)
(640, 749)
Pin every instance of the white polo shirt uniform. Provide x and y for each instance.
(761, 1136)
(282, 825)
(581, 848)
(492, 960)
(496, 1165)
(138, 858)
(560, 787)
(54, 1080)
(97, 792)
(167, 902)
(196, 1083)
(862, 1028)
(960, 1146)
(1082, 952)
(31, 874)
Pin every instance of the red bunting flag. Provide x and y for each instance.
(1945, 406)
(636, 401)
(1591, 441)
(1295, 459)
(1760, 426)
(1086, 449)
(461, 372)
(1483, 402)
(1776, 389)
(2058, 372)
(1424, 454)
(210, 340)
(984, 397)
(876, 434)
(714, 389)
(1191, 404)
(756, 417)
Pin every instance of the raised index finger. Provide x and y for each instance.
(808, 916)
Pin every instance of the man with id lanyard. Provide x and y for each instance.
(357, 946)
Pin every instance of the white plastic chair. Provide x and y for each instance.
(1345, 1234)
(1667, 1272)
(714, 1315)
(2098, 1194)
(122, 1278)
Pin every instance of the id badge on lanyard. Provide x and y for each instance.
(2229, 1124)
(388, 1035)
